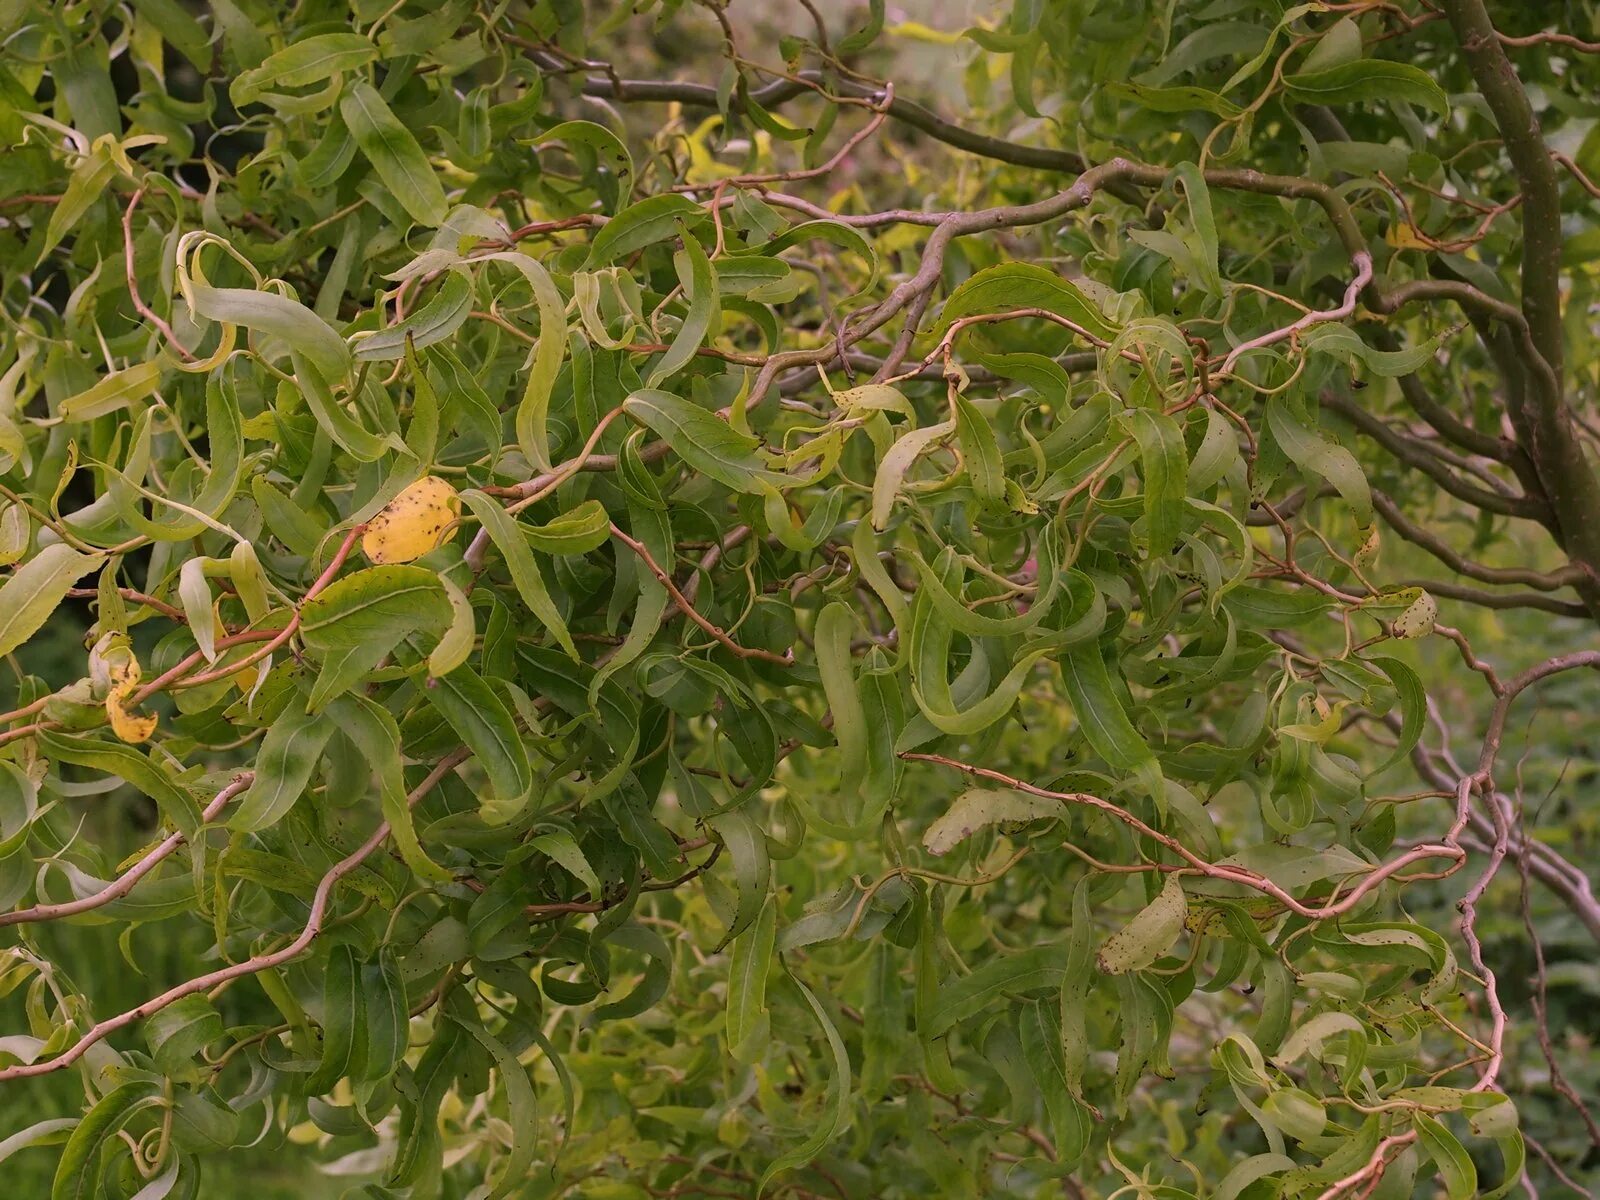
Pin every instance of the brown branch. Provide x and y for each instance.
(1448, 847)
(130, 878)
(1418, 454)
(320, 901)
(1484, 598)
(137, 597)
(1551, 39)
(1569, 481)
(1454, 429)
(145, 310)
(698, 95)
(1538, 995)
(1363, 276)
(688, 609)
(1577, 173)
(1545, 581)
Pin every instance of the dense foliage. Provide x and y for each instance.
(726, 632)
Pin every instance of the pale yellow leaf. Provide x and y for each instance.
(419, 519)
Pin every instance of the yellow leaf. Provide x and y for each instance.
(916, 31)
(419, 519)
(703, 166)
(123, 672)
(1402, 235)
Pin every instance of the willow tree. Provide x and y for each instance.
(757, 630)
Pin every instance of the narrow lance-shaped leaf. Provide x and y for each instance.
(507, 537)
(1149, 935)
(394, 154)
(835, 1104)
(706, 442)
(34, 590)
(698, 277)
(748, 1021)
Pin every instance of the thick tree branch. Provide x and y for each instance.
(1535, 171)
(1568, 479)
(907, 112)
(1545, 581)
(1417, 454)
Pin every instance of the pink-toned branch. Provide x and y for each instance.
(1363, 276)
(126, 882)
(250, 966)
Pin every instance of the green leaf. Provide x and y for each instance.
(1454, 1164)
(1257, 1166)
(1166, 467)
(1345, 344)
(1150, 934)
(980, 453)
(561, 847)
(1042, 1045)
(88, 182)
(1299, 1114)
(284, 764)
(532, 416)
(1368, 79)
(177, 805)
(839, 234)
(308, 335)
(892, 468)
(1311, 1034)
(444, 313)
(180, 1031)
(646, 223)
(748, 1022)
(1099, 709)
(1203, 240)
(36, 589)
(78, 1171)
(507, 537)
(460, 639)
(652, 985)
(831, 643)
(835, 1105)
(359, 620)
(344, 1018)
(698, 278)
(178, 28)
(377, 736)
(113, 393)
(48, 1132)
(706, 442)
(1174, 99)
(608, 148)
(1274, 608)
(1011, 974)
(394, 154)
(522, 1111)
(1413, 707)
(387, 1023)
(286, 520)
(577, 531)
(482, 722)
(1314, 453)
(978, 808)
(1011, 286)
(308, 61)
